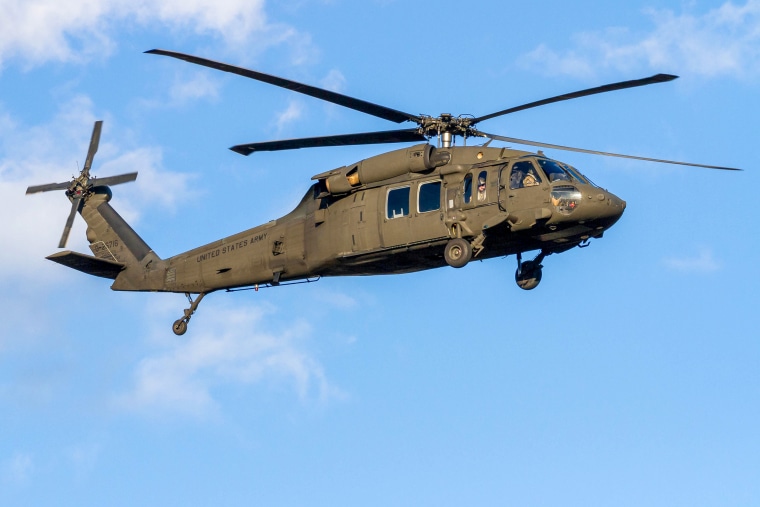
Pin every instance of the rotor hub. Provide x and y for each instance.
(446, 127)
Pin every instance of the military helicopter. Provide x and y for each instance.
(419, 207)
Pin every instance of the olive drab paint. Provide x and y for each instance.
(405, 210)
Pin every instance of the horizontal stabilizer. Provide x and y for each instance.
(88, 264)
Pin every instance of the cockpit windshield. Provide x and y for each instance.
(560, 171)
(523, 173)
(577, 175)
(553, 170)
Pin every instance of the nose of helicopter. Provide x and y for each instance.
(608, 207)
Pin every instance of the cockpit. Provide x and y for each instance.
(563, 179)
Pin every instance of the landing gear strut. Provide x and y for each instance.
(528, 274)
(180, 325)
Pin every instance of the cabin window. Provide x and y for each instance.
(429, 196)
(523, 174)
(398, 202)
(482, 186)
(467, 189)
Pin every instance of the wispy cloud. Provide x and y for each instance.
(151, 181)
(83, 459)
(197, 87)
(18, 469)
(226, 347)
(334, 81)
(703, 262)
(39, 154)
(332, 299)
(39, 31)
(53, 152)
(291, 114)
(719, 42)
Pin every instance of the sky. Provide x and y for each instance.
(628, 377)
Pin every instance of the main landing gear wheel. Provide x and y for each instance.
(457, 252)
(528, 274)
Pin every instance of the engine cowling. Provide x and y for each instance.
(416, 159)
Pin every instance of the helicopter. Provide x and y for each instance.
(415, 208)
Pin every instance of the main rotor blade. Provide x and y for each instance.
(658, 78)
(320, 93)
(94, 142)
(594, 152)
(381, 137)
(47, 187)
(114, 180)
(69, 222)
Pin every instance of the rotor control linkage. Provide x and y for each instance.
(180, 325)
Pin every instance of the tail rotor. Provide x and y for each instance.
(80, 187)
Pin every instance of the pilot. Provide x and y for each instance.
(481, 189)
(516, 178)
(530, 179)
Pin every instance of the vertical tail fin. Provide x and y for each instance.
(112, 239)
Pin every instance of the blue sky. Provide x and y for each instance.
(629, 377)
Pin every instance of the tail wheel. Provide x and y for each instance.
(180, 327)
(457, 252)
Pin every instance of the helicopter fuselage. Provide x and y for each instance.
(500, 201)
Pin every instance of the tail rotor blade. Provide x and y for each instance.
(69, 222)
(116, 180)
(47, 187)
(94, 142)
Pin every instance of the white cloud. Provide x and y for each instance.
(291, 114)
(222, 348)
(152, 180)
(334, 299)
(36, 155)
(187, 87)
(197, 87)
(42, 30)
(52, 153)
(334, 81)
(18, 469)
(303, 50)
(722, 41)
(83, 459)
(38, 31)
(234, 20)
(703, 262)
